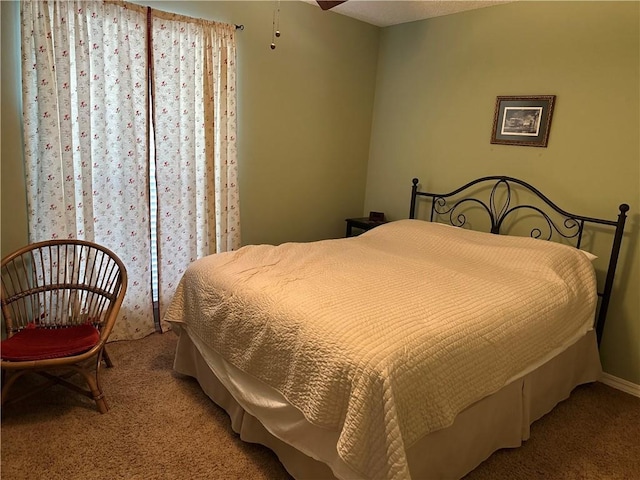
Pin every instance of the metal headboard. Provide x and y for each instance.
(499, 207)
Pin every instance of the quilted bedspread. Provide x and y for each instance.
(386, 337)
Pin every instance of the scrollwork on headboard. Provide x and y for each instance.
(501, 205)
(498, 208)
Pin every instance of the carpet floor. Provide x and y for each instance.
(162, 426)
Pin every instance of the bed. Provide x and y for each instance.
(414, 350)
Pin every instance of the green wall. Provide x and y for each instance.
(304, 116)
(13, 229)
(437, 82)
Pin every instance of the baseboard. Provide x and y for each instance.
(621, 384)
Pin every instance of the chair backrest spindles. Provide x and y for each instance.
(60, 283)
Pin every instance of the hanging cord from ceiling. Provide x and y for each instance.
(275, 29)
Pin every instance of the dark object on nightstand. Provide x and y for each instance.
(376, 216)
(363, 223)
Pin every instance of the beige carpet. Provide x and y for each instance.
(161, 426)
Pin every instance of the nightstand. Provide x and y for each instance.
(361, 223)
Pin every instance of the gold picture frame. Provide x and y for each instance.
(523, 120)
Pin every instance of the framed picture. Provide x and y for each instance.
(523, 120)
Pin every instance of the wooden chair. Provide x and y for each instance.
(60, 300)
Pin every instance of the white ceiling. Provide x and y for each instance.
(384, 13)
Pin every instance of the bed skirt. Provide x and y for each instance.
(259, 414)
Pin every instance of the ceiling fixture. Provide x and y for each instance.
(328, 5)
(275, 30)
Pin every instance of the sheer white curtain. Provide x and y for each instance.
(194, 95)
(85, 91)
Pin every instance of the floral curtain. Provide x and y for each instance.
(87, 133)
(193, 79)
(84, 74)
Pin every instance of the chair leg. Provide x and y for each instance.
(91, 378)
(106, 358)
(8, 381)
(96, 392)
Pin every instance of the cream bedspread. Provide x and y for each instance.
(387, 336)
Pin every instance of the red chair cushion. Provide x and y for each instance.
(42, 343)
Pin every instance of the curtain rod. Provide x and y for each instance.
(165, 14)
